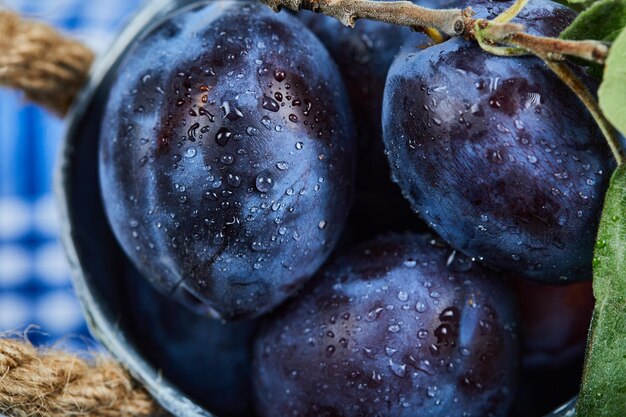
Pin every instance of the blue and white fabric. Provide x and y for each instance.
(35, 288)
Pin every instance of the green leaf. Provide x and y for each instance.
(603, 21)
(612, 92)
(603, 390)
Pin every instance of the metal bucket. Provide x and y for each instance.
(99, 267)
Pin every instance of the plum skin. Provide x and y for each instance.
(363, 54)
(497, 154)
(397, 327)
(227, 157)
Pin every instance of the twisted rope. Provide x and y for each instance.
(48, 67)
(38, 383)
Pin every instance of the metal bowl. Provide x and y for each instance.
(98, 265)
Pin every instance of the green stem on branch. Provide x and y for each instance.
(511, 12)
(434, 35)
(484, 36)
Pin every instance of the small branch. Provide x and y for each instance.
(434, 35)
(497, 32)
(554, 48)
(404, 13)
(452, 22)
(511, 12)
(494, 37)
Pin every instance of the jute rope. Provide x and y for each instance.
(34, 58)
(55, 383)
(50, 69)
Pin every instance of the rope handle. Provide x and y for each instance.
(35, 58)
(50, 69)
(46, 383)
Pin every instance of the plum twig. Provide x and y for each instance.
(555, 49)
(451, 22)
(404, 13)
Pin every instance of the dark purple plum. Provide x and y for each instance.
(227, 157)
(554, 322)
(364, 54)
(209, 361)
(400, 326)
(497, 154)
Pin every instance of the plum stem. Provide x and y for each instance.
(554, 49)
(434, 35)
(484, 35)
(451, 22)
(496, 37)
(511, 12)
(404, 13)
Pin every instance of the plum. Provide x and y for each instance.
(554, 321)
(363, 55)
(497, 154)
(227, 157)
(399, 326)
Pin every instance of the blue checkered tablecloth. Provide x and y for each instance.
(35, 287)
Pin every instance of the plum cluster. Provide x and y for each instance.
(274, 178)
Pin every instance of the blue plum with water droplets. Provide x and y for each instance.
(497, 154)
(400, 326)
(227, 157)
